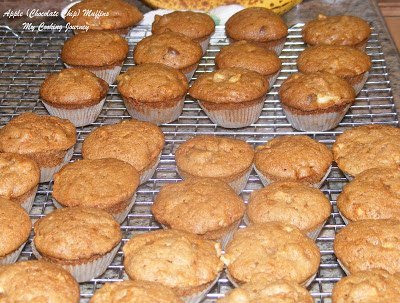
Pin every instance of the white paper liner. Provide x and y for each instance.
(344, 268)
(345, 220)
(348, 177)
(27, 204)
(315, 122)
(109, 75)
(156, 115)
(198, 297)
(47, 173)
(239, 184)
(357, 87)
(190, 74)
(272, 78)
(148, 173)
(79, 117)
(204, 44)
(12, 257)
(88, 271)
(235, 118)
(278, 48)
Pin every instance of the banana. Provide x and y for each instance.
(278, 6)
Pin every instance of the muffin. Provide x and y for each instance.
(368, 146)
(251, 56)
(74, 94)
(108, 184)
(316, 101)
(226, 159)
(293, 158)
(337, 30)
(19, 179)
(182, 261)
(134, 292)
(280, 251)
(15, 227)
(231, 97)
(102, 53)
(47, 140)
(262, 289)
(203, 206)
(376, 286)
(82, 240)
(196, 25)
(369, 244)
(345, 62)
(37, 281)
(173, 49)
(373, 194)
(259, 25)
(153, 92)
(138, 143)
(291, 203)
(117, 16)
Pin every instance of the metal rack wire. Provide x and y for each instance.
(26, 58)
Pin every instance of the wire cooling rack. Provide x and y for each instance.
(26, 58)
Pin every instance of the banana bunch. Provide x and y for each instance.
(278, 6)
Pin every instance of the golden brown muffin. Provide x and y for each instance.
(15, 227)
(116, 15)
(369, 244)
(293, 158)
(367, 146)
(173, 49)
(180, 260)
(278, 250)
(373, 194)
(377, 286)
(337, 30)
(204, 206)
(138, 143)
(135, 292)
(291, 203)
(262, 289)
(37, 281)
(108, 184)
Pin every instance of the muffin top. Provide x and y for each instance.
(74, 233)
(311, 92)
(102, 183)
(37, 282)
(278, 250)
(135, 292)
(373, 194)
(336, 30)
(248, 55)
(116, 15)
(375, 285)
(174, 258)
(367, 146)
(173, 49)
(18, 175)
(95, 49)
(214, 157)
(30, 133)
(15, 226)
(289, 202)
(293, 158)
(195, 25)
(262, 289)
(369, 244)
(343, 61)
(229, 85)
(198, 206)
(256, 24)
(136, 142)
(152, 82)
(73, 88)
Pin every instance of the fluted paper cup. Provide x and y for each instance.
(107, 74)
(47, 173)
(12, 257)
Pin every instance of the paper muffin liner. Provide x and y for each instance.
(272, 79)
(204, 44)
(345, 269)
(47, 173)
(348, 176)
(155, 115)
(86, 271)
(266, 181)
(148, 173)
(360, 84)
(198, 297)
(314, 122)
(345, 220)
(80, 116)
(240, 183)
(108, 74)
(12, 257)
(28, 202)
(278, 48)
(190, 74)
(235, 118)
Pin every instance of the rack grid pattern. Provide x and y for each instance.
(26, 58)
